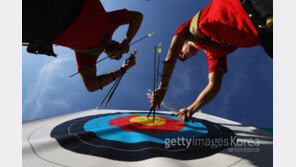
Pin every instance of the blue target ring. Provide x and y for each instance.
(100, 126)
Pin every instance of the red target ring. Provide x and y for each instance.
(139, 123)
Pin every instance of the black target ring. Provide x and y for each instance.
(71, 136)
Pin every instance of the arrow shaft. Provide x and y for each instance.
(139, 40)
(115, 83)
(157, 76)
(168, 106)
(113, 91)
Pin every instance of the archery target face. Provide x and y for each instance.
(133, 136)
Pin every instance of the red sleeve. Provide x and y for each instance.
(216, 64)
(184, 28)
(117, 18)
(84, 60)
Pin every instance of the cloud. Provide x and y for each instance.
(44, 95)
(183, 82)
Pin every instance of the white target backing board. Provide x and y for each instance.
(128, 138)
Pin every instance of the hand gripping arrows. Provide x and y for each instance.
(155, 76)
(113, 89)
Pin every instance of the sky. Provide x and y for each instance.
(246, 94)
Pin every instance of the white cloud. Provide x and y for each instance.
(41, 95)
(183, 82)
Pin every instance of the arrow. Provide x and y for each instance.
(148, 35)
(113, 88)
(159, 51)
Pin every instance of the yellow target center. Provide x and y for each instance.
(148, 121)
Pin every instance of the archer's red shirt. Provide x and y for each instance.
(89, 29)
(225, 22)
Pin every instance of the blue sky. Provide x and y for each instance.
(246, 94)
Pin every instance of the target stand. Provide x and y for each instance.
(129, 138)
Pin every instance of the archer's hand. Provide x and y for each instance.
(113, 50)
(124, 47)
(130, 62)
(157, 97)
(184, 114)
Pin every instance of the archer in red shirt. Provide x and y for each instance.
(218, 29)
(91, 34)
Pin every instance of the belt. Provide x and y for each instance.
(96, 51)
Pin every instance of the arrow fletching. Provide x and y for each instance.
(149, 35)
(159, 48)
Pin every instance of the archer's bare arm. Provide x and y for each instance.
(92, 82)
(168, 68)
(208, 94)
(171, 58)
(135, 20)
